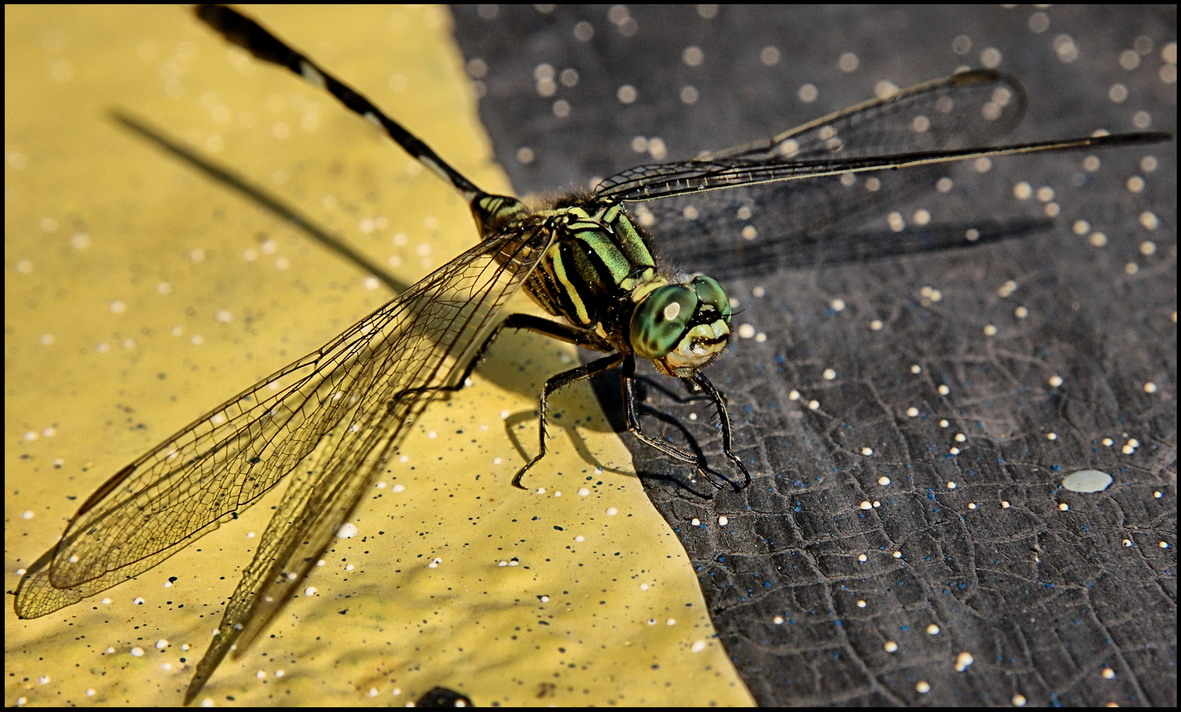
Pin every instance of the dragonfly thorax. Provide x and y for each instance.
(598, 273)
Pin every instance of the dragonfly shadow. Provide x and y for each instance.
(792, 253)
(505, 378)
(521, 428)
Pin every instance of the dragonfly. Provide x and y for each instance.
(329, 422)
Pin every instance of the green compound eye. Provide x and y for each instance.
(711, 294)
(661, 319)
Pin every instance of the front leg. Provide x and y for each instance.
(553, 384)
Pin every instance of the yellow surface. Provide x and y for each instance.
(141, 293)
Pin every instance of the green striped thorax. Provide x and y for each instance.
(598, 273)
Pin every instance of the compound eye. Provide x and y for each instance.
(660, 322)
(711, 295)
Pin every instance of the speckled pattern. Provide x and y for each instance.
(906, 539)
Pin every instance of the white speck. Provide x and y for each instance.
(890, 646)
(348, 530)
(1087, 481)
(612, 511)
(963, 661)
(698, 646)
(865, 505)
(932, 629)
(1063, 507)
(723, 521)
(867, 451)
(1108, 673)
(1150, 387)
(951, 485)
(1018, 700)
(922, 687)
(137, 652)
(884, 481)
(829, 374)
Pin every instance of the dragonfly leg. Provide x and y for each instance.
(724, 417)
(553, 384)
(632, 419)
(553, 329)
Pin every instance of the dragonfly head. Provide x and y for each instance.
(682, 327)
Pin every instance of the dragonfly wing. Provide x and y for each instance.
(966, 110)
(449, 315)
(224, 461)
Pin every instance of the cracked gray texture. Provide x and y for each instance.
(1043, 598)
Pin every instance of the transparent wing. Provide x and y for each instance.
(947, 119)
(347, 402)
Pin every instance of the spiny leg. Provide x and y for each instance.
(632, 417)
(556, 330)
(527, 322)
(553, 384)
(633, 424)
(724, 417)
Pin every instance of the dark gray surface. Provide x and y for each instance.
(1044, 599)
